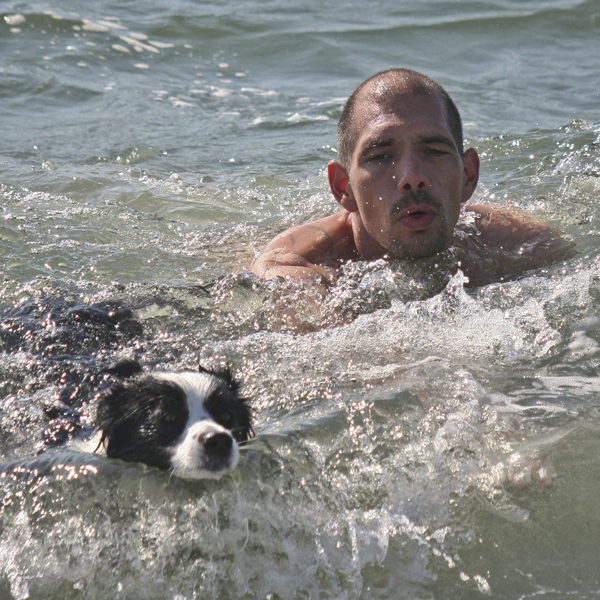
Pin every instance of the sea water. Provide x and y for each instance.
(415, 438)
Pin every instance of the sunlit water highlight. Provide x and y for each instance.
(416, 438)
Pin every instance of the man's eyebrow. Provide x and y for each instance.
(378, 143)
(434, 138)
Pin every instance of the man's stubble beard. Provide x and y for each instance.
(416, 248)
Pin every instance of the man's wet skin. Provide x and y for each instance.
(403, 185)
(404, 160)
(417, 213)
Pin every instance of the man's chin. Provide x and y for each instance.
(417, 249)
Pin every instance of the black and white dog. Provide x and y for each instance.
(189, 423)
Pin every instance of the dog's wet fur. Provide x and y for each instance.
(190, 423)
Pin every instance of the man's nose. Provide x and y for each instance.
(411, 176)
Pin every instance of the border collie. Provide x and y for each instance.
(189, 423)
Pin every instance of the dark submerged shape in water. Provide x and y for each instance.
(56, 328)
(66, 344)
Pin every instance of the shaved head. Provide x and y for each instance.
(382, 88)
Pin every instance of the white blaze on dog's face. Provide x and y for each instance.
(188, 423)
(205, 449)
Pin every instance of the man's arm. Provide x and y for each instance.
(309, 250)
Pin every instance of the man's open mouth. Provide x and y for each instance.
(418, 217)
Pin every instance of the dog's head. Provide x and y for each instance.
(190, 423)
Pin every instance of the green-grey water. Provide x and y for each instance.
(415, 438)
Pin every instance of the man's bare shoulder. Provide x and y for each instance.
(308, 250)
(507, 227)
(513, 243)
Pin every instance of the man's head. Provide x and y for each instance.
(384, 85)
(403, 174)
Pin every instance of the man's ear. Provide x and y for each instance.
(471, 173)
(340, 185)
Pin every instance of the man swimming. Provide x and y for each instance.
(403, 180)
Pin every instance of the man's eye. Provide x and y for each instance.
(435, 152)
(379, 157)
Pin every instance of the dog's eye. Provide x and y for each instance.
(169, 418)
(226, 417)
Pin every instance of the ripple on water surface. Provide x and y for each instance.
(415, 438)
(373, 450)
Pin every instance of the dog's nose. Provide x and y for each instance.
(218, 442)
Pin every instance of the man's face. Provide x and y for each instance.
(406, 177)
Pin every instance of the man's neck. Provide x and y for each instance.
(366, 247)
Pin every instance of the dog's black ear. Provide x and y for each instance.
(124, 368)
(202, 369)
(111, 415)
(223, 373)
